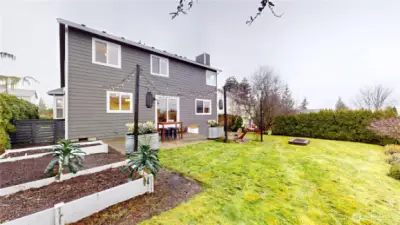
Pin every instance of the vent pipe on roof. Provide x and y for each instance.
(203, 59)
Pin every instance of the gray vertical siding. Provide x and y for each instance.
(88, 116)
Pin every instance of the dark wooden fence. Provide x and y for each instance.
(37, 131)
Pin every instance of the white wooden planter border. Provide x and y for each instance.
(64, 213)
(49, 147)
(102, 148)
(44, 182)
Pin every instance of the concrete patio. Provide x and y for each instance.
(188, 139)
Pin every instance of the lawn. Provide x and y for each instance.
(326, 182)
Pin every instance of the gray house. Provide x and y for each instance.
(94, 101)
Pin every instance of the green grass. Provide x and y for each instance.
(326, 182)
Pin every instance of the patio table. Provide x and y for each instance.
(169, 123)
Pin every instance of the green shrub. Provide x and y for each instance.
(238, 123)
(12, 108)
(346, 125)
(395, 171)
(231, 121)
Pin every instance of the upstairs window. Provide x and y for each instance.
(203, 107)
(119, 102)
(211, 78)
(159, 66)
(106, 53)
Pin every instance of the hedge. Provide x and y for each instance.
(234, 121)
(345, 125)
(12, 108)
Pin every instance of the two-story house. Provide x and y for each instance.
(92, 62)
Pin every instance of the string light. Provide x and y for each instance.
(169, 88)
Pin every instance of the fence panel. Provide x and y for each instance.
(37, 131)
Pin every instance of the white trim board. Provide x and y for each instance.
(49, 146)
(102, 148)
(64, 213)
(44, 182)
(66, 77)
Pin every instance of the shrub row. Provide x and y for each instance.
(346, 125)
(12, 108)
(234, 122)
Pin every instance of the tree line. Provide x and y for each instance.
(277, 98)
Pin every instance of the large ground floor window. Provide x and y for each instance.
(167, 109)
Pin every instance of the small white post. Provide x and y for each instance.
(58, 214)
(151, 183)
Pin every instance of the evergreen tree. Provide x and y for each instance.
(304, 104)
(232, 84)
(288, 104)
(340, 105)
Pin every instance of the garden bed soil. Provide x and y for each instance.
(42, 150)
(27, 170)
(37, 199)
(171, 190)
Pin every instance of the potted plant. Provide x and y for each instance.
(214, 130)
(65, 155)
(147, 135)
(193, 129)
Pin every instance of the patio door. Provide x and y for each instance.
(167, 109)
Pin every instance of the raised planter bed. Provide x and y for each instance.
(170, 190)
(79, 197)
(35, 152)
(28, 170)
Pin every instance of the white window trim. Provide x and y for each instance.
(151, 66)
(178, 116)
(204, 100)
(215, 74)
(107, 43)
(120, 93)
(55, 116)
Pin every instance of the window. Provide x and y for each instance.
(167, 109)
(211, 78)
(119, 102)
(59, 108)
(203, 107)
(159, 66)
(106, 53)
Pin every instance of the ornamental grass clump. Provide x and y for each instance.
(143, 128)
(145, 160)
(213, 123)
(65, 155)
(392, 149)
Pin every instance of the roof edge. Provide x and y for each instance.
(84, 28)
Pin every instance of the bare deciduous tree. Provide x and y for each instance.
(185, 5)
(373, 97)
(274, 94)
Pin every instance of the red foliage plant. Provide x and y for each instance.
(386, 127)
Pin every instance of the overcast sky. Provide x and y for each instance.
(322, 49)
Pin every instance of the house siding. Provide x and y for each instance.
(87, 97)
